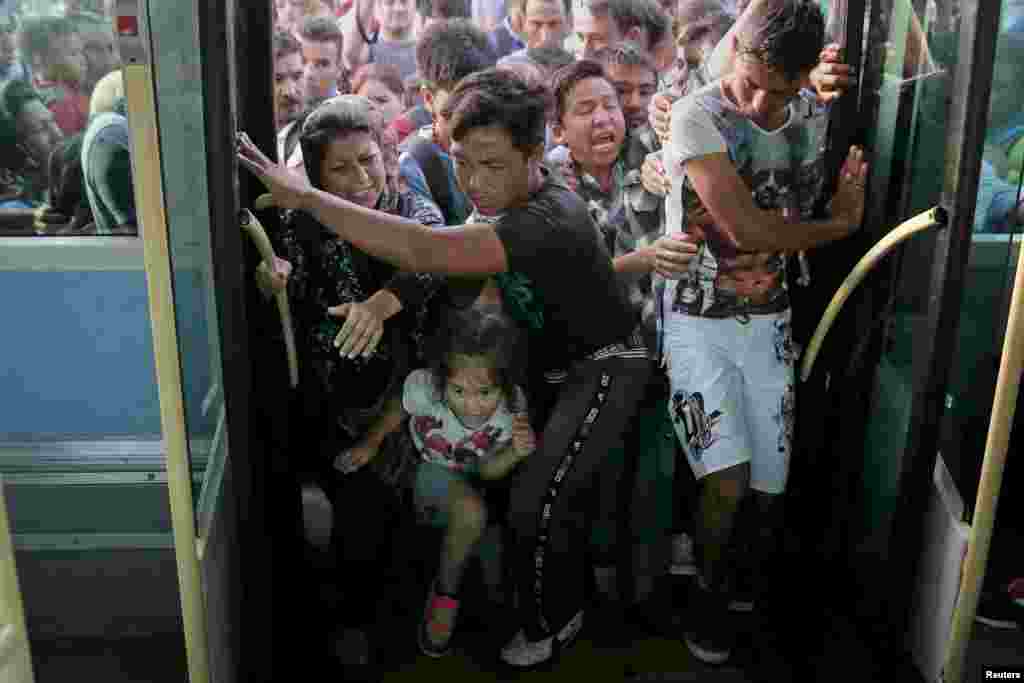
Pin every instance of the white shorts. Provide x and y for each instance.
(732, 398)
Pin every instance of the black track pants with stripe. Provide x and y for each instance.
(551, 504)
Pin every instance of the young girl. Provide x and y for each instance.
(462, 422)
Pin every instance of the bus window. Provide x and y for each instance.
(65, 167)
(992, 263)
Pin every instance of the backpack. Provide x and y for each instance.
(436, 173)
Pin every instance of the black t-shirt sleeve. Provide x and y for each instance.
(553, 241)
(533, 243)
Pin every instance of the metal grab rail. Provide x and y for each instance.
(15, 655)
(934, 217)
(252, 226)
(1004, 405)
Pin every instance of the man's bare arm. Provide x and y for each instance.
(355, 50)
(727, 198)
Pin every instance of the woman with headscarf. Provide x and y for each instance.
(356, 317)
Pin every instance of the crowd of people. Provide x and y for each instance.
(540, 258)
(65, 166)
(509, 323)
(628, 189)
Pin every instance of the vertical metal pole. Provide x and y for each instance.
(149, 199)
(15, 653)
(1003, 408)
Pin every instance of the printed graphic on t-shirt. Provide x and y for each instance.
(462, 453)
(784, 170)
(438, 434)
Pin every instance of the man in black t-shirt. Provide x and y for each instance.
(598, 371)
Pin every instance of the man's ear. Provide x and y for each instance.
(533, 163)
(428, 99)
(538, 153)
(515, 20)
(558, 134)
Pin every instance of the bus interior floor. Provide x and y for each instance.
(156, 658)
(793, 639)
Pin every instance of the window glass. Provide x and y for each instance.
(65, 167)
(995, 246)
(908, 77)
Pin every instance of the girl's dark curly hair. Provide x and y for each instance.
(478, 331)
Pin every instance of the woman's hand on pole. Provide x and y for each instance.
(271, 282)
(288, 189)
(362, 331)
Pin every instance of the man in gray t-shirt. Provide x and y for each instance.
(382, 32)
(745, 157)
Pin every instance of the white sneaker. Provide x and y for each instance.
(522, 653)
(684, 563)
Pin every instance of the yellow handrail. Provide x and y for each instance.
(1004, 405)
(867, 263)
(252, 226)
(15, 655)
(149, 199)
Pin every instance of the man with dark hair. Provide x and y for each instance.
(603, 23)
(635, 78)
(746, 160)
(549, 59)
(506, 38)
(54, 50)
(288, 78)
(433, 11)
(534, 235)
(589, 124)
(381, 32)
(589, 121)
(544, 27)
(321, 42)
(288, 99)
(544, 24)
(446, 54)
(28, 135)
